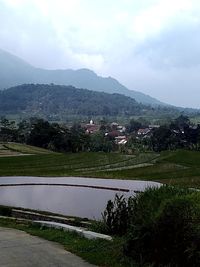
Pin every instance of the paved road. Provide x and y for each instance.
(19, 249)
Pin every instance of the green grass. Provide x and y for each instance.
(56, 164)
(76, 164)
(99, 252)
(181, 167)
(26, 149)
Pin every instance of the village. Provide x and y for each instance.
(118, 132)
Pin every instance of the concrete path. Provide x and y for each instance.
(19, 249)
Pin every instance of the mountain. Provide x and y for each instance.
(59, 100)
(14, 71)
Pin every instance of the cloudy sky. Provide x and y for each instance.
(152, 46)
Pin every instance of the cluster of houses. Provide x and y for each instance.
(118, 132)
(146, 132)
(114, 130)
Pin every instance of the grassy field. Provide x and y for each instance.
(15, 149)
(176, 168)
(181, 167)
(25, 149)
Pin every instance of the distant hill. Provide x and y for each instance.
(59, 101)
(14, 71)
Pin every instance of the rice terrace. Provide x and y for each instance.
(180, 167)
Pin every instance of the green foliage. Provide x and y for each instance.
(177, 231)
(78, 140)
(179, 134)
(161, 226)
(116, 216)
(161, 138)
(168, 235)
(8, 131)
(41, 134)
(100, 142)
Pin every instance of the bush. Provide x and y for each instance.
(116, 216)
(161, 226)
(171, 238)
(177, 232)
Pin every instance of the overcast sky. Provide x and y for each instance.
(152, 46)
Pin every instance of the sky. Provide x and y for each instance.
(152, 46)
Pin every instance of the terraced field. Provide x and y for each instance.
(78, 164)
(45, 163)
(179, 167)
(15, 149)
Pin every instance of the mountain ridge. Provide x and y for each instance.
(15, 71)
(32, 99)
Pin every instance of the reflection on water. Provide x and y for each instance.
(82, 202)
(74, 201)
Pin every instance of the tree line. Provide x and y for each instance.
(53, 136)
(179, 133)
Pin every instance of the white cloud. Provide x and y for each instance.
(157, 17)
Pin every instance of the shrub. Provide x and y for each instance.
(171, 238)
(161, 225)
(116, 216)
(177, 232)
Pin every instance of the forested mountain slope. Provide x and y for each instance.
(42, 99)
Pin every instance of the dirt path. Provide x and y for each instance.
(19, 249)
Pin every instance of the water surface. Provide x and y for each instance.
(68, 200)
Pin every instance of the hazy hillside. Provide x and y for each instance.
(61, 101)
(14, 71)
